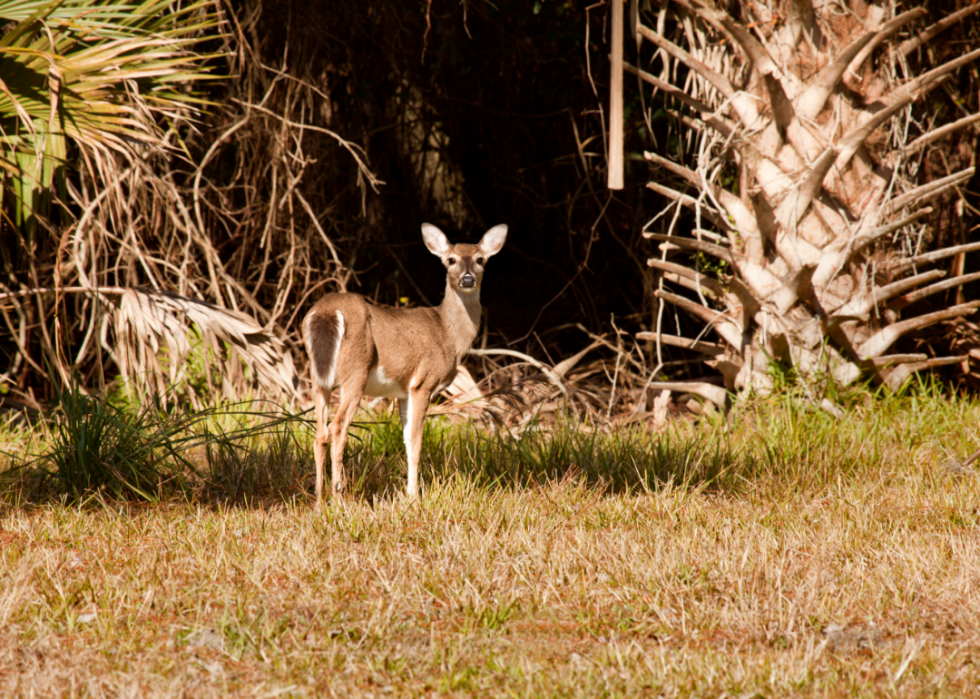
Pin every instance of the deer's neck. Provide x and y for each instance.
(461, 316)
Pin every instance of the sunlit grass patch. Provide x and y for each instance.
(554, 588)
(779, 552)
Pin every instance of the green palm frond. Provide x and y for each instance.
(96, 72)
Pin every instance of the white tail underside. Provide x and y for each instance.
(329, 381)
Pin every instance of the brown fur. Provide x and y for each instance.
(404, 353)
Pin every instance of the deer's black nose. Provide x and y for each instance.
(467, 281)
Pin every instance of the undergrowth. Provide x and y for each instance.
(243, 451)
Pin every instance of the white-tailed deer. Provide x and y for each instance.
(404, 353)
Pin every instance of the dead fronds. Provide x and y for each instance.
(231, 346)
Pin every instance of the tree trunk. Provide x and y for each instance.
(803, 187)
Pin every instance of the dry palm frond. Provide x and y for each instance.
(147, 321)
(493, 406)
(157, 333)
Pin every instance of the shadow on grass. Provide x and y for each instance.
(776, 446)
(241, 456)
(615, 462)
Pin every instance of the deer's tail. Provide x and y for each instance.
(324, 331)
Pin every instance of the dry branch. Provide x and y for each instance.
(710, 348)
(910, 298)
(930, 257)
(860, 242)
(718, 251)
(878, 343)
(708, 116)
(926, 82)
(896, 359)
(864, 302)
(910, 45)
(903, 372)
(744, 106)
(715, 394)
(886, 31)
(812, 102)
(928, 191)
(719, 322)
(934, 135)
(553, 377)
(689, 275)
(615, 179)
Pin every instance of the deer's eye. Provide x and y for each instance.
(480, 261)
(452, 260)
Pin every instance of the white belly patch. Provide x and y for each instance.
(380, 386)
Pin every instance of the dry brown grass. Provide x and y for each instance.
(861, 582)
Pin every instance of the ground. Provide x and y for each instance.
(820, 558)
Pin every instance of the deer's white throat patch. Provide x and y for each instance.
(380, 385)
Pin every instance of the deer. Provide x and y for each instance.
(410, 354)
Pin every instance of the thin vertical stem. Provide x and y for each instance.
(616, 99)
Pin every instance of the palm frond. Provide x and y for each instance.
(97, 72)
(155, 331)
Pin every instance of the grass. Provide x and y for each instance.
(781, 552)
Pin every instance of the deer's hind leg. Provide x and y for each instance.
(321, 401)
(350, 397)
(353, 361)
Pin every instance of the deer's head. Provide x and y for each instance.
(464, 262)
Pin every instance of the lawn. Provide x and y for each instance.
(780, 551)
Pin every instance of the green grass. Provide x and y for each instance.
(776, 552)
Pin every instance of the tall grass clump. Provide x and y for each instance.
(88, 444)
(95, 445)
(252, 455)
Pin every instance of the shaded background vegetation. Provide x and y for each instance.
(337, 128)
(494, 98)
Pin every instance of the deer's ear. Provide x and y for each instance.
(493, 240)
(435, 240)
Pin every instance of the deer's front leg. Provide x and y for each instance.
(413, 411)
(406, 426)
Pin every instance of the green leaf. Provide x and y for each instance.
(97, 72)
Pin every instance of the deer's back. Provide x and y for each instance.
(395, 346)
